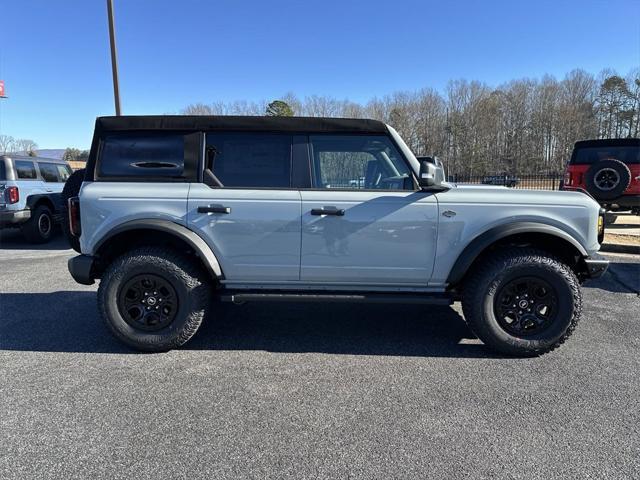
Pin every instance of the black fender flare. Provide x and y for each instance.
(486, 239)
(180, 231)
(52, 199)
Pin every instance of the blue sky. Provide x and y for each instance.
(54, 55)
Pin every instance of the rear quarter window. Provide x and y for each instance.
(142, 155)
(25, 170)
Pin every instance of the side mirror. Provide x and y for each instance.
(430, 175)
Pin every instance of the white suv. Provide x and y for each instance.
(175, 210)
(30, 190)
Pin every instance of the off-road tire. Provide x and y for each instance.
(71, 189)
(624, 179)
(33, 229)
(191, 283)
(495, 271)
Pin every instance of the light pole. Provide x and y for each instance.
(114, 57)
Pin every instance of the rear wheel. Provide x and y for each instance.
(39, 228)
(522, 302)
(154, 299)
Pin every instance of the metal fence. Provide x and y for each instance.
(549, 181)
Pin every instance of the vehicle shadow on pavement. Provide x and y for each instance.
(620, 277)
(67, 321)
(334, 328)
(12, 239)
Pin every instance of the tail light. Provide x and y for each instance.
(74, 216)
(11, 195)
(601, 218)
(567, 178)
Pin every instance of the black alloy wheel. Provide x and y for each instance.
(607, 179)
(44, 224)
(148, 302)
(526, 306)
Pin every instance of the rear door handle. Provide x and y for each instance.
(214, 209)
(328, 211)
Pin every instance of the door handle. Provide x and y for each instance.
(328, 211)
(214, 209)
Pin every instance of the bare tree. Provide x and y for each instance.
(7, 144)
(522, 126)
(26, 146)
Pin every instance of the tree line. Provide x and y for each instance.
(25, 146)
(520, 127)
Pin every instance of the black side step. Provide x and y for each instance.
(370, 297)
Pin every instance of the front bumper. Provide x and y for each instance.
(13, 217)
(80, 268)
(596, 266)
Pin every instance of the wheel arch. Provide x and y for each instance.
(547, 237)
(155, 232)
(34, 201)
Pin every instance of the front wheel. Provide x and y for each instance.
(522, 302)
(154, 299)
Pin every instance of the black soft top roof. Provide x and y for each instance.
(609, 142)
(239, 123)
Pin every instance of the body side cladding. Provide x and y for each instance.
(180, 231)
(486, 239)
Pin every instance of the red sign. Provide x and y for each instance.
(2, 88)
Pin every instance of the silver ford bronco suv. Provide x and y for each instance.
(175, 210)
(30, 195)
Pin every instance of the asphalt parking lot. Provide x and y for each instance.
(309, 390)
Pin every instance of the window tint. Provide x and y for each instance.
(3, 171)
(25, 169)
(358, 162)
(251, 159)
(142, 155)
(48, 172)
(589, 155)
(64, 172)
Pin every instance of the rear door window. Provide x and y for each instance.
(250, 160)
(25, 170)
(142, 155)
(49, 172)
